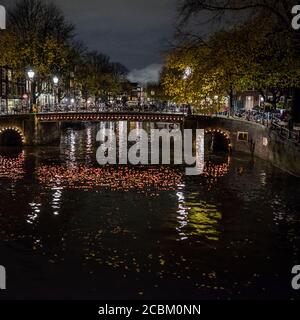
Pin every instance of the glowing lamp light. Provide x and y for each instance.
(187, 73)
(19, 131)
(55, 80)
(31, 74)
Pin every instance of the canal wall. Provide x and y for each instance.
(253, 139)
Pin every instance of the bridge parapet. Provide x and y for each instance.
(101, 116)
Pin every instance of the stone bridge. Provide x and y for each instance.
(240, 135)
(45, 128)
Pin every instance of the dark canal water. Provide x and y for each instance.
(72, 229)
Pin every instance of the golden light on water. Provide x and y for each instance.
(115, 179)
(195, 218)
(12, 167)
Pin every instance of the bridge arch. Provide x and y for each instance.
(218, 140)
(12, 136)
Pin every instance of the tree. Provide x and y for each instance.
(250, 55)
(40, 19)
(278, 10)
(275, 65)
(100, 77)
(39, 38)
(189, 79)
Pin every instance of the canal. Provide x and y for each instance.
(72, 229)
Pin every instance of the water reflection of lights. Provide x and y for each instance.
(12, 167)
(180, 197)
(122, 178)
(212, 172)
(72, 146)
(182, 217)
(200, 218)
(70, 149)
(35, 210)
(56, 200)
(263, 178)
(89, 144)
(197, 219)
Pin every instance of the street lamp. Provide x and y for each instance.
(55, 82)
(187, 73)
(31, 75)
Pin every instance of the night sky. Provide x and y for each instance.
(133, 32)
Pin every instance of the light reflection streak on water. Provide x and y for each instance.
(56, 199)
(182, 217)
(263, 178)
(71, 148)
(35, 211)
(89, 145)
(199, 218)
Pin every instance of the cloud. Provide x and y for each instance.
(149, 74)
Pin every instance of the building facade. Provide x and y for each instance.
(13, 91)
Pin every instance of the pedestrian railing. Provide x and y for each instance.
(180, 111)
(293, 135)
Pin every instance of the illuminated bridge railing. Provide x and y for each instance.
(100, 116)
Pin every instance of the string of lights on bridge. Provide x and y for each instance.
(109, 118)
(214, 131)
(17, 130)
(95, 117)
